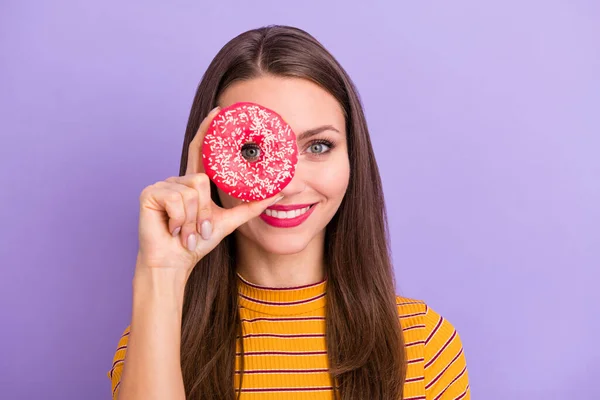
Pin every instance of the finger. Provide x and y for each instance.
(184, 225)
(172, 202)
(239, 215)
(194, 162)
(200, 183)
(189, 234)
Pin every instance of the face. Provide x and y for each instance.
(323, 168)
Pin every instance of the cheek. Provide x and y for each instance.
(331, 180)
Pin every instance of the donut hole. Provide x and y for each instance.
(251, 152)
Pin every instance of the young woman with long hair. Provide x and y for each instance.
(227, 305)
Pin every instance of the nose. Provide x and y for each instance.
(296, 186)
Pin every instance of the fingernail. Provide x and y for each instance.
(277, 200)
(215, 109)
(206, 230)
(191, 242)
(176, 231)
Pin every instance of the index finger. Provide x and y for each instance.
(194, 162)
(244, 212)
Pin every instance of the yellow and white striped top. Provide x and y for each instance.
(285, 353)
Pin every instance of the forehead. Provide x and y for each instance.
(302, 104)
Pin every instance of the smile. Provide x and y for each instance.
(287, 216)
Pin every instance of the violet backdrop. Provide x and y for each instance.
(485, 122)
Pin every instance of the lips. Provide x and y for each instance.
(279, 207)
(287, 216)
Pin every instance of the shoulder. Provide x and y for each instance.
(443, 358)
(410, 308)
(416, 314)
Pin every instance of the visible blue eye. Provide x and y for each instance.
(250, 151)
(319, 147)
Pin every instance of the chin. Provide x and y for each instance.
(283, 245)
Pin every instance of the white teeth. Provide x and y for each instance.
(286, 214)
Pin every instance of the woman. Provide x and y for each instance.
(226, 304)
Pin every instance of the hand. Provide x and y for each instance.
(179, 223)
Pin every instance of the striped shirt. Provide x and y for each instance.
(285, 353)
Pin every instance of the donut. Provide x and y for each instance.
(249, 152)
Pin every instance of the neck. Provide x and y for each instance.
(281, 270)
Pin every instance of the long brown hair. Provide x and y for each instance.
(365, 346)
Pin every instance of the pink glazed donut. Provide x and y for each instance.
(249, 152)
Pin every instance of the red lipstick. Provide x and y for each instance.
(289, 207)
(287, 222)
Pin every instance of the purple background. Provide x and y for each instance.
(485, 121)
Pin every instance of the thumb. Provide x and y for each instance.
(244, 212)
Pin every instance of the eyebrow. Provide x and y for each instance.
(315, 131)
